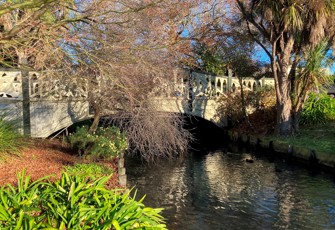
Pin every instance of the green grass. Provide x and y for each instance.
(92, 169)
(11, 142)
(320, 138)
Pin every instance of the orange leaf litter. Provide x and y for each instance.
(42, 158)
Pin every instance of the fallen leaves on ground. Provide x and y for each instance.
(45, 157)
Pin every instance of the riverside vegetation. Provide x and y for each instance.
(317, 119)
(81, 198)
(318, 125)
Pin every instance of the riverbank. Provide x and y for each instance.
(313, 146)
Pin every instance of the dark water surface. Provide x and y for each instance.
(220, 190)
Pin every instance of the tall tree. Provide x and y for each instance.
(290, 31)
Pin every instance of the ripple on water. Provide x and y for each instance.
(221, 191)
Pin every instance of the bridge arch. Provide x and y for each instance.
(199, 107)
(59, 129)
(218, 84)
(233, 88)
(206, 131)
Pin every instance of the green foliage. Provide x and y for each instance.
(11, 142)
(94, 170)
(318, 109)
(19, 207)
(211, 60)
(73, 202)
(233, 51)
(105, 143)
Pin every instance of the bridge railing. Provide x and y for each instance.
(189, 85)
(44, 87)
(41, 86)
(200, 85)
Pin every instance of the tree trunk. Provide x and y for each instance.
(95, 123)
(281, 68)
(296, 119)
(22, 64)
(97, 113)
(284, 126)
(243, 102)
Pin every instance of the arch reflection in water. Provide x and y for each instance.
(223, 191)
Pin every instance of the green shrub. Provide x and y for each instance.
(19, 207)
(73, 202)
(318, 109)
(105, 143)
(11, 142)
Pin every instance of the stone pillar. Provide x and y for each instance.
(230, 80)
(263, 81)
(209, 86)
(122, 171)
(26, 103)
(190, 91)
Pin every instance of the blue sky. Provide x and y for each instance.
(261, 56)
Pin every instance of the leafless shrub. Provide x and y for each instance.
(153, 134)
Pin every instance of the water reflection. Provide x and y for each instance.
(222, 191)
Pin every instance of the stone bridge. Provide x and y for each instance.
(42, 104)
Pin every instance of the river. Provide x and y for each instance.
(219, 189)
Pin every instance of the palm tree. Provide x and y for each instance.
(311, 76)
(289, 31)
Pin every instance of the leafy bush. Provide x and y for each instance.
(11, 142)
(230, 105)
(263, 98)
(73, 202)
(318, 109)
(105, 143)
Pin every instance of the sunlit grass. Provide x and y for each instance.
(92, 169)
(11, 142)
(320, 138)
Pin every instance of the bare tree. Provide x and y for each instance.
(123, 92)
(126, 56)
(121, 48)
